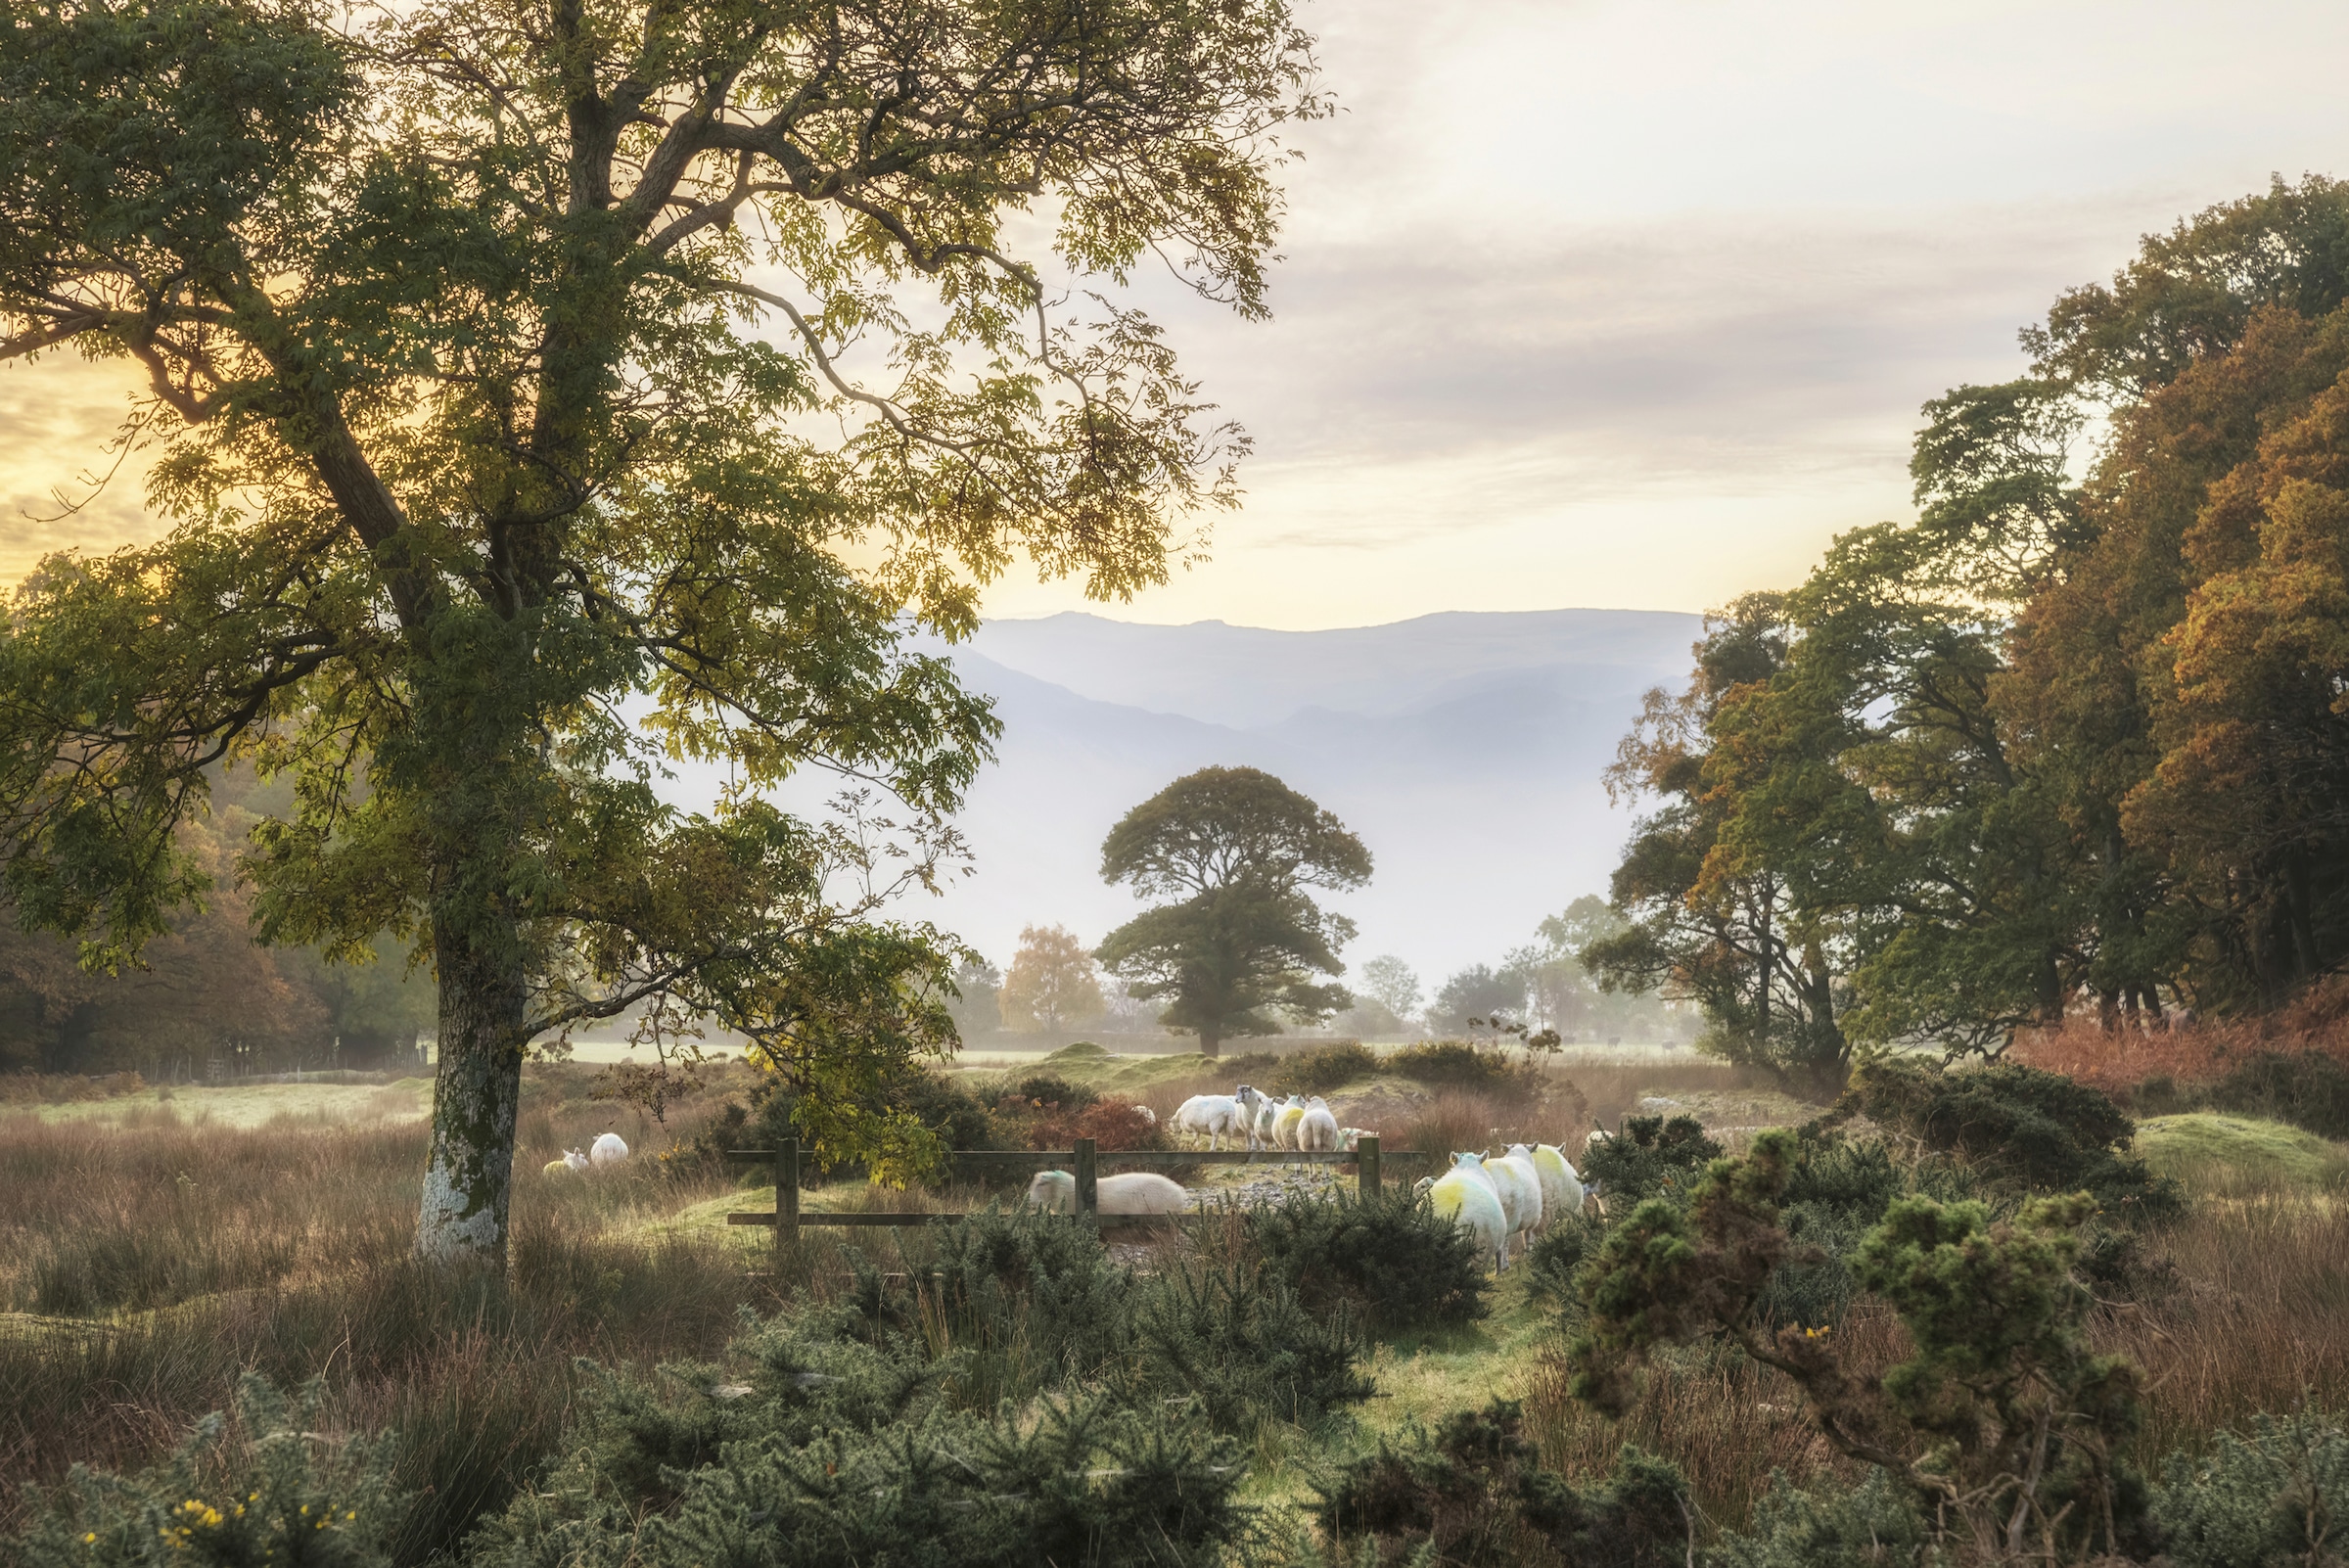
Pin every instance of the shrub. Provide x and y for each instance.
(951, 1111)
(2307, 1089)
(1111, 1124)
(1392, 1258)
(1471, 1493)
(1325, 1068)
(837, 1453)
(1872, 1525)
(2279, 1495)
(1649, 1156)
(2012, 1416)
(2018, 1127)
(1457, 1064)
(1238, 1345)
(1047, 1090)
(273, 1492)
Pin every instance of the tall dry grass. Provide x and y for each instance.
(152, 1266)
(2120, 1058)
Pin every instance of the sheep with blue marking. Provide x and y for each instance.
(1128, 1192)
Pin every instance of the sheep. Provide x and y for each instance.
(1150, 1117)
(1221, 1116)
(1562, 1190)
(1318, 1132)
(1132, 1192)
(1284, 1126)
(1467, 1200)
(1520, 1192)
(608, 1149)
(1350, 1137)
(1266, 1113)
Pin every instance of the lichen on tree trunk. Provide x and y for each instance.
(468, 1177)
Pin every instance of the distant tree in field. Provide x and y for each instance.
(1239, 942)
(978, 1008)
(1051, 984)
(1391, 983)
(540, 393)
(1560, 989)
(1478, 992)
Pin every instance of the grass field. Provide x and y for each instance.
(153, 1249)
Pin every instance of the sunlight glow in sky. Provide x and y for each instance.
(1617, 304)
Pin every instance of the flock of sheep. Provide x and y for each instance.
(1499, 1201)
(609, 1149)
(1305, 1125)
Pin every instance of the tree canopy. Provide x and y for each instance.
(2076, 735)
(1051, 983)
(1237, 948)
(542, 393)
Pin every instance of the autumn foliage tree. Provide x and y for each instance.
(522, 380)
(1051, 983)
(2079, 733)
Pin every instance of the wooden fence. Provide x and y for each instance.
(1083, 1162)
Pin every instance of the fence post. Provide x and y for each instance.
(787, 1200)
(1366, 1161)
(1088, 1188)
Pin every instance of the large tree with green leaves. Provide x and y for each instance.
(540, 389)
(1239, 940)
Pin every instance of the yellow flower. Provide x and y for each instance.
(89, 1539)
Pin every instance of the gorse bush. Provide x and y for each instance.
(1392, 1259)
(2018, 1128)
(1457, 1064)
(2003, 1416)
(272, 1492)
(1646, 1155)
(816, 1447)
(1872, 1525)
(2273, 1497)
(1238, 1345)
(1471, 1493)
(1321, 1069)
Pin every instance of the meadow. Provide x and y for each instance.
(153, 1249)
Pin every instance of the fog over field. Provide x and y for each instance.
(1463, 748)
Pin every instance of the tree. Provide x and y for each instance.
(1711, 919)
(1052, 984)
(1234, 849)
(1390, 982)
(1478, 992)
(474, 447)
(978, 1007)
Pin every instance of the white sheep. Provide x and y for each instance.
(1519, 1200)
(1350, 1137)
(1318, 1132)
(1149, 1116)
(1221, 1116)
(1562, 1190)
(1520, 1192)
(1285, 1124)
(609, 1148)
(1467, 1200)
(1268, 1112)
(1132, 1192)
(570, 1160)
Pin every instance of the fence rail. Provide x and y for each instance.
(1083, 1162)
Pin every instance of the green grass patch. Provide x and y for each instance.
(2205, 1148)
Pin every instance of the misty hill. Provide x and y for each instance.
(1463, 748)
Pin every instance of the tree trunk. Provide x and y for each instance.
(468, 1180)
(1211, 1043)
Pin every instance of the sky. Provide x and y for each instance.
(1588, 302)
